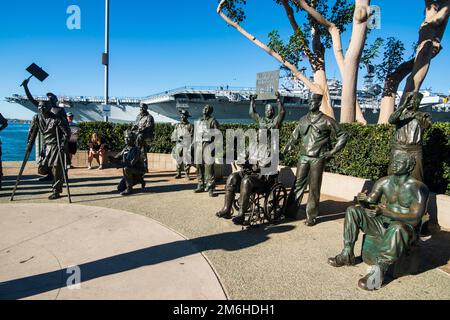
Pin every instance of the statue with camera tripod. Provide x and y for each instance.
(51, 122)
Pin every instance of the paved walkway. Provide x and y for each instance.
(285, 261)
(119, 255)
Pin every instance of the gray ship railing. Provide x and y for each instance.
(76, 99)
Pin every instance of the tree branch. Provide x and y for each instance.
(296, 28)
(393, 79)
(312, 86)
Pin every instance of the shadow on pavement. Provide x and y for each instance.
(229, 241)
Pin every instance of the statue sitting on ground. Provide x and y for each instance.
(133, 166)
(392, 213)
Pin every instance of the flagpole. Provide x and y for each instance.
(105, 57)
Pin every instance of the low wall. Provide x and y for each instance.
(156, 162)
(335, 185)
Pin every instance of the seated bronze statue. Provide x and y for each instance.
(391, 213)
(130, 160)
(247, 182)
(233, 186)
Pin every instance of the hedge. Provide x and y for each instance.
(366, 154)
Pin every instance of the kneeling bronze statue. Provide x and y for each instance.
(391, 213)
(130, 160)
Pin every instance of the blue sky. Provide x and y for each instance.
(159, 45)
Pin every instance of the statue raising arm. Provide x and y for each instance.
(281, 111)
(253, 114)
(28, 93)
(398, 115)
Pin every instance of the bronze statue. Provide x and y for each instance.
(61, 115)
(132, 163)
(205, 172)
(55, 135)
(270, 121)
(3, 125)
(392, 212)
(250, 180)
(144, 128)
(315, 131)
(410, 126)
(183, 131)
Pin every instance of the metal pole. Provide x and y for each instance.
(106, 55)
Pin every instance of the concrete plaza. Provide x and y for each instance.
(166, 243)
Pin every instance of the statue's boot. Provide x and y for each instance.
(345, 258)
(200, 188)
(54, 196)
(143, 184)
(127, 192)
(225, 212)
(310, 222)
(48, 177)
(374, 278)
(244, 204)
(239, 219)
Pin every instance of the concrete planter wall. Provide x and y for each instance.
(336, 185)
(156, 162)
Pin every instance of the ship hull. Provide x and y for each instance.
(224, 111)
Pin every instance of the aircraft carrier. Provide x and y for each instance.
(231, 104)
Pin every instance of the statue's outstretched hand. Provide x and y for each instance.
(25, 82)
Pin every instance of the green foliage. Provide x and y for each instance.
(371, 52)
(366, 154)
(392, 58)
(114, 135)
(436, 153)
(340, 13)
(292, 51)
(233, 9)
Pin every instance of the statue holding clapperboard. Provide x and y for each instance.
(51, 122)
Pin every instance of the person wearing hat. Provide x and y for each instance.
(410, 125)
(182, 136)
(143, 128)
(61, 115)
(202, 140)
(74, 133)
